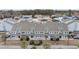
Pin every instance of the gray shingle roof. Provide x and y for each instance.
(25, 26)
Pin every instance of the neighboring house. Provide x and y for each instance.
(72, 22)
(39, 30)
(7, 23)
(26, 17)
(66, 19)
(73, 25)
(41, 17)
(35, 20)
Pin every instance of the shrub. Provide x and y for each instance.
(24, 41)
(51, 39)
(21, 39)
(36, 43)
(31, 42)
(27, 38)
(18, 36)
(46, 46)
(57, 39)
(24, 38)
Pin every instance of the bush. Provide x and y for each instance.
(32, 36)
(57, 39)
(51, 39)
(24, 44)
(24, 38)
(31, 42)
(27, 38)
(37, 42)
(18, 36)
(21, 39)
(54, 39)
(46, 46)
(59, 36)
(24, 41)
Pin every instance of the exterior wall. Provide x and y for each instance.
(13, 38)
(41, 36)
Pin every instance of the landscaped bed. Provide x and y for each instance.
(50, 43)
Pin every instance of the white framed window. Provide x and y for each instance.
(35, 32)
(38, 32)
(41, 32)
(54, 32)
(65, 32)
(27, 32)
(23, 32)
(50, 32)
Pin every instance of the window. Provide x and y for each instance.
(14, 32)
(49, 32)
(52, 32)
(32, 36)
(28, 32)
(41, 32)
(55, 32)
(23, 32)
(65, 36)
(36, 32)
(65, 32)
